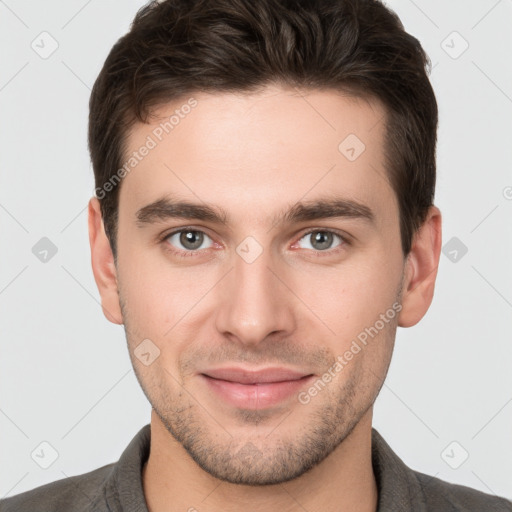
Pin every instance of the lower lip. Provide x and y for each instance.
(256, 396)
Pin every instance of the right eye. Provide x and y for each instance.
(190, 240)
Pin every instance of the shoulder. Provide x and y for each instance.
(72, 494)
(440, 495)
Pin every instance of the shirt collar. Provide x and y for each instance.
(398, 487)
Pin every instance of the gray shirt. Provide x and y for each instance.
(117, 487)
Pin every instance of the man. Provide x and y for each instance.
(263, 223)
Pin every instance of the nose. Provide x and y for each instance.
(255, 301)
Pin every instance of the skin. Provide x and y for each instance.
(296, 305)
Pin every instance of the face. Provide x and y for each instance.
(261, 315)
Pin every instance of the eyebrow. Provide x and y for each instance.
(321, 208)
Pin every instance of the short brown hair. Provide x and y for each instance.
(178, 47)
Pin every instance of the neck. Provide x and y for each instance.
(344, 481)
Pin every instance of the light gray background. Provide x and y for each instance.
(66, 377)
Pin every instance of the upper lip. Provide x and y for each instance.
(262, 376)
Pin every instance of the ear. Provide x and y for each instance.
(103, 266)
(421, 270)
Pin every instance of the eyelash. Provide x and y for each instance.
(187, 254)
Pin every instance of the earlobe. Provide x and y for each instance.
(103, 266)
(421, 270)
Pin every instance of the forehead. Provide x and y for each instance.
(254, 153)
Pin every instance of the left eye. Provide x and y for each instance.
(321, 240)
(190, 239)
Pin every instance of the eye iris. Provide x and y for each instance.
(324, 239)
(188, 237)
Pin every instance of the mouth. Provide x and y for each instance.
(255, 389)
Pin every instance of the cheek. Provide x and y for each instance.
(154, 292)
(352, 298)
(165, 304)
